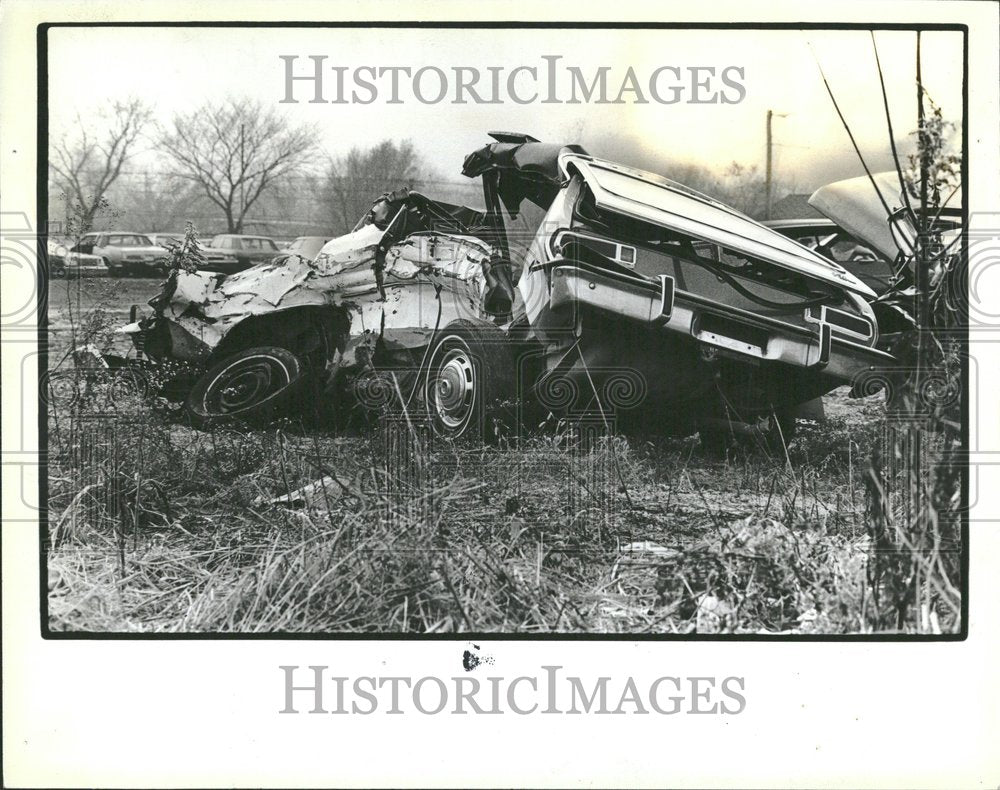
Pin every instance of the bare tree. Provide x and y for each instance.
(85, 165)
(236, 152)
(160, 202)
(355, 180)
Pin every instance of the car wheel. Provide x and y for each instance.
(248, 386)
(779, 432)
(719, 437)
(113, 271)
(468, 378)
(716, 442)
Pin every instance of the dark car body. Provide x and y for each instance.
(245, 250)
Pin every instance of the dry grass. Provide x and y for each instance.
(158, 527)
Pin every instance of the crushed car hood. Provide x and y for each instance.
(352, 271)
(854, 205)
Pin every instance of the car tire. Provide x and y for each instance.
(716, 442)
(469, 382)
(779, 434)
(248, 386)
(113, 271)
(720, 440)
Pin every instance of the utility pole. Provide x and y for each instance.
(767, 170)
(767, 166)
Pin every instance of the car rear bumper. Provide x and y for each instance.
(754, 337)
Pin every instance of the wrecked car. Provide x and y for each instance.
(875, 212)
(831, 241)
(727, 322)
(371, 300)
(636, 299)
(304, 246)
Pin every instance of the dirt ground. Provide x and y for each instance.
(80, 297)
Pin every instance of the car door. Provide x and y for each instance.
(110, 246)
(260, 250)
(86, 244)
(234, 245)
(251, 249)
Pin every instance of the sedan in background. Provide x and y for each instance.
(124, 254)
(163, 239)
(63, 263)
(247, 251)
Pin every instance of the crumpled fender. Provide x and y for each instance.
(398, 295)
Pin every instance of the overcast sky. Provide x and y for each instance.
(180, 68)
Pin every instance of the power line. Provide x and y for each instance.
(469, 184)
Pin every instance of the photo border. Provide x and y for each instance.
(42, 170)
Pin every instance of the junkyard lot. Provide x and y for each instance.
(114, 296)
(511, 540)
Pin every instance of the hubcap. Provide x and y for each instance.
(453, 390)
(246, 384)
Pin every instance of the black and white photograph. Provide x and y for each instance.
(578, 343)
(356, 337)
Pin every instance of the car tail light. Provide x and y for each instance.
(841, 322)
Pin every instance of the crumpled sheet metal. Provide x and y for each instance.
(403, 308)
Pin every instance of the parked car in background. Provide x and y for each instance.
(63, 263)
(246, 250)
(307, 247)
(162, 239)
(124, 254)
